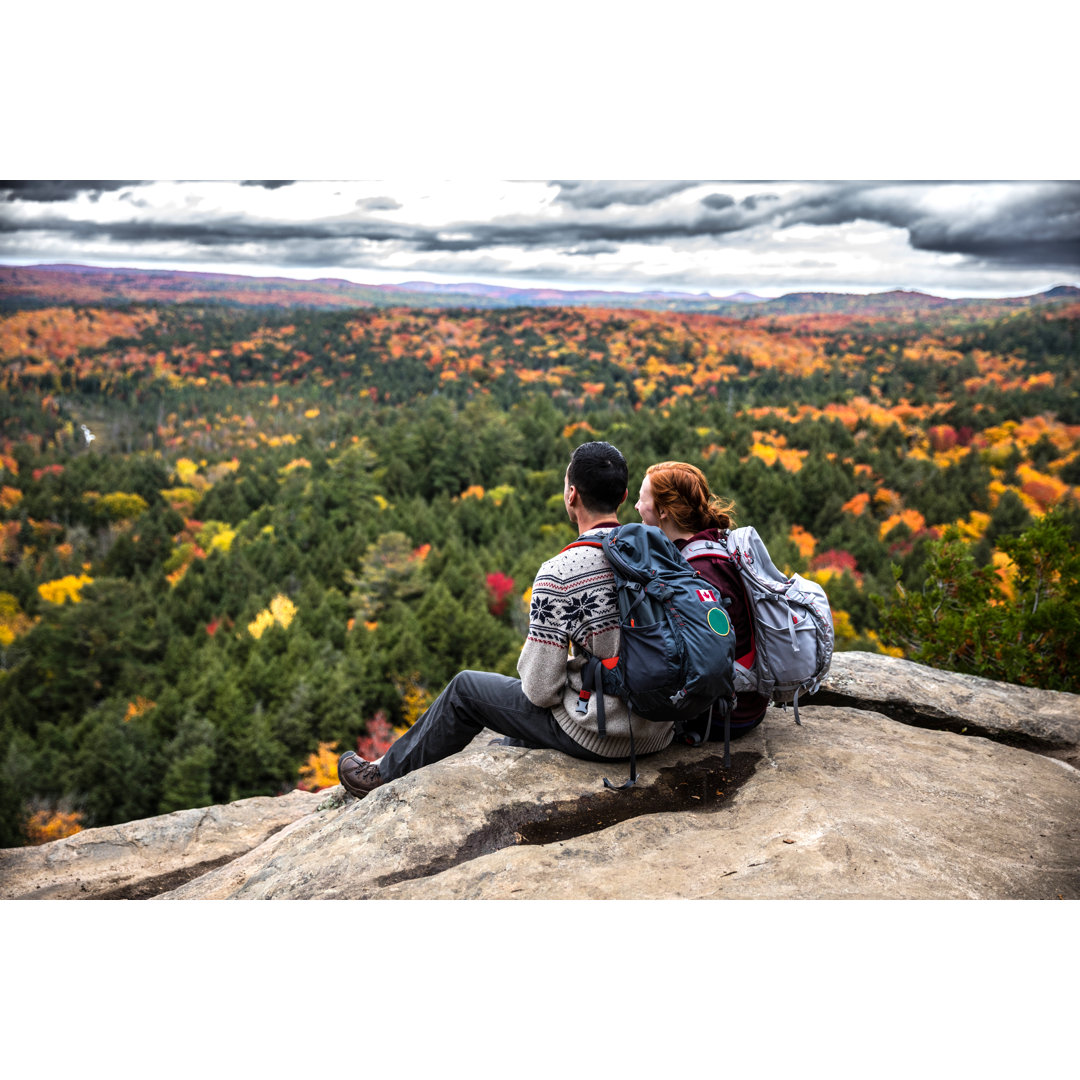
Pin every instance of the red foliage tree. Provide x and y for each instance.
(499, 587)
(834, 560)
(378, 738)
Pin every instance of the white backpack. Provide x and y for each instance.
(791, 618)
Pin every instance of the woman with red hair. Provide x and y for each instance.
(676, 499)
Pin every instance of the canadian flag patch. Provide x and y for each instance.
(707, 596)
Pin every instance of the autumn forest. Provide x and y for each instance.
(237, 539)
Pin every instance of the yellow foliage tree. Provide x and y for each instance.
(843, 626)
(66, 588)
(186, 470)
(415, 699)
(13, 620)
(974, 526)
(296, 463)
(223, 540)
(260, 624)
(320, 770)
(215, 535)
(122, 505)
(281, 611)
(769, 454)
(183, 499)
(888, 650)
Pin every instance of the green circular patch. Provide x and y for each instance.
(719, 623)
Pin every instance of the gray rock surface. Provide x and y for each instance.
(852, 804)
(141, 858)
(1044, 721)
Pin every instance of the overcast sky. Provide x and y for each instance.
(951, 239)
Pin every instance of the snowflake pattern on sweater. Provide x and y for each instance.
(573, 599)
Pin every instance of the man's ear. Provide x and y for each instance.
(624, 494)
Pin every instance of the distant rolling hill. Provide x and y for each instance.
(42, 286)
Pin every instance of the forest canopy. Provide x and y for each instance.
(235, 541)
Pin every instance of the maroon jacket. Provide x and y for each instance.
(724, 577)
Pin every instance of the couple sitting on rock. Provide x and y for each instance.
(573, 612)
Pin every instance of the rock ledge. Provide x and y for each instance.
(902, 783)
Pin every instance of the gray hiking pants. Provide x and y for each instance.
(472, 701)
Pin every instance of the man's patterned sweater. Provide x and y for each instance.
(573, 609)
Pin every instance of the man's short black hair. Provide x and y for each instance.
(599, 473)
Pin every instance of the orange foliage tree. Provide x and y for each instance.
(46, 825)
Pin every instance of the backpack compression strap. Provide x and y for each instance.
(592, 681)
(701, 740)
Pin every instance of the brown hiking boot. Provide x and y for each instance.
(358, 776)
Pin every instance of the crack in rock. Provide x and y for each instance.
(912, 716)
(145, 888)
(702, 787)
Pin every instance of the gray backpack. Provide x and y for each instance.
(792, 623)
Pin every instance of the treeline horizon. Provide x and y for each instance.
(51, 285)
(234, 540)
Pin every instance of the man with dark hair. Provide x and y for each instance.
(599, 473)
(573, 613)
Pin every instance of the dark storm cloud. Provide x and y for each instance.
(220, 231)
(600, 194)
(1037, 226)
(58, 190)
(453, 237)
(1032, 225)
(1039, 230)
(270, 185)
(751, 201)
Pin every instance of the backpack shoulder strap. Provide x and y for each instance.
(582, 541)
(715, 549)
(753, 557)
